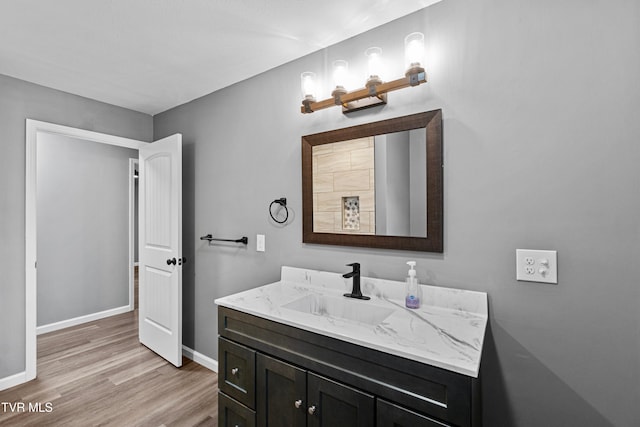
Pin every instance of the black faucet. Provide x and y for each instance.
(355, 292)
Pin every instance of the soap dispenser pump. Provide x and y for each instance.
(412, 299)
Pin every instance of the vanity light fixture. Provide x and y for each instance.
(374, 66)
(340, 76)
(413, 54)
(375, 90)
(308, 86)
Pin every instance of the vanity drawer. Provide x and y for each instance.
(392, 415)
(237, 372)
(233, 414)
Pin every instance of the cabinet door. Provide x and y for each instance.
(233, 414)
(332, 404)
(281, 393)
(391, 415)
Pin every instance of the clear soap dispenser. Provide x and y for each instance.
(412, 299)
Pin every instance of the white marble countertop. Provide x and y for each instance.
(447, 331)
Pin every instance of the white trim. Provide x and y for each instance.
(200, 358)
(30, 251)
(13, 380)
(81, 319)
(32, 129)
(132, 230)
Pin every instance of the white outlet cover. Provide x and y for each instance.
(544, 268)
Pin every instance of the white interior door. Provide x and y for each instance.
(160, 247)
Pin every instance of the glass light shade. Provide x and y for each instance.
(308, 85)
(374, 62)
(414, 50)
(340, 73)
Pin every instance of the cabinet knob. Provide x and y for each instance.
(298, 403)
(234, 371)
(311, 410)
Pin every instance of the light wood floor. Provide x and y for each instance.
(99, 374)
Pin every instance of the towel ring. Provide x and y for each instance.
(283, 203)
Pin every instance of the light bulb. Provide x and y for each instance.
(308, 85)
(340, 73)
(374, 64)
(414, 50)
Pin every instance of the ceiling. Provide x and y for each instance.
(152, 55)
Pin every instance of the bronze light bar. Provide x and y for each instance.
(375, 91)
(365, 97)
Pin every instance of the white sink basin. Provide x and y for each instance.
(341, 308)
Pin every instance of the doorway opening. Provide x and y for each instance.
(35, 131)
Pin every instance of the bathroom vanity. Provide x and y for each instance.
(298, 353)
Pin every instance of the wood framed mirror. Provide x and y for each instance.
(376, 185)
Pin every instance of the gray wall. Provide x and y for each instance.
(83, 227)
(20, 100)
(393, 195)
(401, 184)
(540, 103)
(418, 183)
(380, 180)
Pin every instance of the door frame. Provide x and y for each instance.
(33, 127)
(133, 227)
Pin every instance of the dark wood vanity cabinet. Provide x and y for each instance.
(273, 375)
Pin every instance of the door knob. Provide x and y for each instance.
(171, 261)
(297, 403)
(311, 410)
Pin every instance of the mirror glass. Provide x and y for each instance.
(375, 185)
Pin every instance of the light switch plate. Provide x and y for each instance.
(536, 266)
(260, 242)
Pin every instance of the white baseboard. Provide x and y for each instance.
(200, 358)
(13, 380)
(82, 319)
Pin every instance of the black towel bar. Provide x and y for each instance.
(210, 238)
